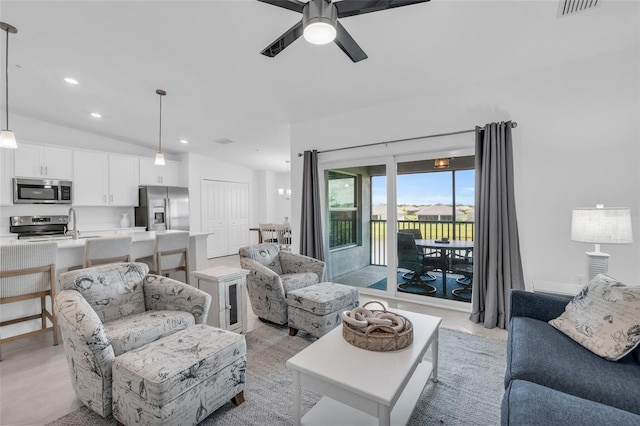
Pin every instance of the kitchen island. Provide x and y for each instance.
(71, 254)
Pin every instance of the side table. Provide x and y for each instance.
(227, 287)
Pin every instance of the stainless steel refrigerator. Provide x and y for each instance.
(163, 207)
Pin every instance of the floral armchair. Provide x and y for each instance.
(107, 310)
(272, 274)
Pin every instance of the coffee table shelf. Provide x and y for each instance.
(365, 387)
(329, 412)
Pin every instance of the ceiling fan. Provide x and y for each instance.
(320, 24)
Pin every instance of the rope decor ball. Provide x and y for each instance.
(376, 330)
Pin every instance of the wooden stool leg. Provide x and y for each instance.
(119, 423)
(293, 331)
(239, 398)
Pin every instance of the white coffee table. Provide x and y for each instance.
(360, 385)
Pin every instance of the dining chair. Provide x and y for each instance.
(268, 232)
(170, 254)
(99, 251)
(28, 271)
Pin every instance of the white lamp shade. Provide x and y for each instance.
(601, 226)
(159, 159)
(8, 139)
(319, 33)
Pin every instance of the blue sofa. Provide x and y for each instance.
(552, 380)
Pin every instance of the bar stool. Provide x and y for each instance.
(98, 251)
(170, 254)
(28, 271)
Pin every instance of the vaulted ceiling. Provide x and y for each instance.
(206, 55)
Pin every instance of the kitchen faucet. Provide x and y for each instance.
(74, 232)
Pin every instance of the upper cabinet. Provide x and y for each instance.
(43, 162)
(6, 173)
(91, 178)
(124, 178)
(104, 180)
(167, 175)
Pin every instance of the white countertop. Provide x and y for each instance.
(136, 237)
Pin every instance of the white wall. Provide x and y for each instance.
(576, 144)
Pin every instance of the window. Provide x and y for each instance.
(342, 192)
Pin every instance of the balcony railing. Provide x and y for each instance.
(430, 230)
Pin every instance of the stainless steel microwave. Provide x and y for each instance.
(41, 191)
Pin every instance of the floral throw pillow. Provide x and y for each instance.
(604, 318)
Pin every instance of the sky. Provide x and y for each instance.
(427, 188)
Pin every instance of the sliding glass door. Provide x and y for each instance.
(401, 228)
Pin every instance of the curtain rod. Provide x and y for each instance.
(513, 126)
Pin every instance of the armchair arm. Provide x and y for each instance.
(293, 263)
(167, 294)
(85, 341)
(540, 306)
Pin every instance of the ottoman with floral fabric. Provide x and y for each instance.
(179, 379)
(316, 309)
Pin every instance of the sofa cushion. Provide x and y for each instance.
(526, 403)
(135, 331)
(113, 290)
(539, 353)
(296, 281)
(604, 318)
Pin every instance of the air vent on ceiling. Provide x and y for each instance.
(571, 7)
(223, 141)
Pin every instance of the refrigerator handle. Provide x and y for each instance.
(167, 214)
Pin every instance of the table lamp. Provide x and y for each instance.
(600, 225)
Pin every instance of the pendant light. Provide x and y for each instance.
(7, 138)
(160, 156)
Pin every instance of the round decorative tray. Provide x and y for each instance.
(376, 335)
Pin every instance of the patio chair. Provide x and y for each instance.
(463, 265)
(409, 257)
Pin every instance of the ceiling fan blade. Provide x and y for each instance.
(348, 44)
(294, 5)
(358, 7)
(285, 40)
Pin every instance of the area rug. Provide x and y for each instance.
(469, 391)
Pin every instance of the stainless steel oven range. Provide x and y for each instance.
(40, 228)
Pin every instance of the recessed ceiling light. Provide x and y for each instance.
(96, 115)
(184, 141)
(71, 80)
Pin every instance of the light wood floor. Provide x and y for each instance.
(35, 387)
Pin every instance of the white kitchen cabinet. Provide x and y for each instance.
(123, 181)
(104, 180)
(167, 175)
(43, 162)
(90, 178)
(6, 175)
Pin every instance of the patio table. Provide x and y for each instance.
(445, 249)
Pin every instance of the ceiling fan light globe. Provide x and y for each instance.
(319, 32)
(8, 139)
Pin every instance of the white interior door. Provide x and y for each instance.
(214, 217)
(238, 198)
(225, 214)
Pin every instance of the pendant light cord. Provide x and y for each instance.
(6, 79)
(160, 133)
